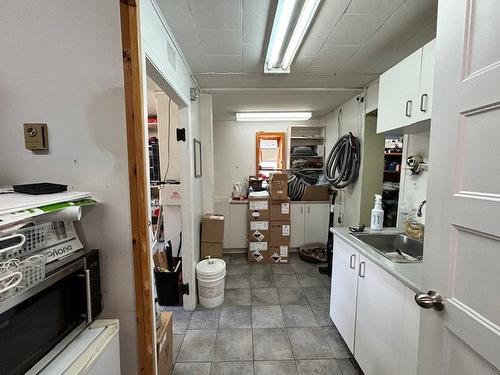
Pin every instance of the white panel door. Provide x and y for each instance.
(297, 216)
(398, 94)
(316, 222)
(462, 244)
(379, 320)
(344, 290)
(424, 109)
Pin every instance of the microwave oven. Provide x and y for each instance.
(38, 320)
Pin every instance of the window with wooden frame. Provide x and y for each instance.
(270, 156)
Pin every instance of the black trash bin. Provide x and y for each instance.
(169, 285)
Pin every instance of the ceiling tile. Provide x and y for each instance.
(218, 42)
(329, 13)
(216, 14)
(313, 42)
(355, 29)
(300, 64)
(254, 28)
(253, 55)
(224, 64)
(195, 57)
(256, 5)
(411, 16)
(182, 24)
(167, 6)
(333, 56)
(374, 7)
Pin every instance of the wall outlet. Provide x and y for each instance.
(36, 137)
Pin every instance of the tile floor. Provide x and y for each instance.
(274, 320)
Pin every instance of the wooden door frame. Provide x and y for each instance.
(132, 70)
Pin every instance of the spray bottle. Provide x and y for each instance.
(377, 222)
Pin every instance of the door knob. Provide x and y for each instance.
(430, 300)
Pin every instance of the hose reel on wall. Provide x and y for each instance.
(342, 165)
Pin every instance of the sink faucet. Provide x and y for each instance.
(419, 210)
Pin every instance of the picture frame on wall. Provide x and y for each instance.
(197, 158)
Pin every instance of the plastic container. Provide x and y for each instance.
(377, 221)
(211, 275)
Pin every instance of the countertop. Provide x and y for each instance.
(410, 274)
(245, 201)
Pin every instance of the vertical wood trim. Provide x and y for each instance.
(129, 14)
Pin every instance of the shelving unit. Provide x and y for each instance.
(312, 136)
(390, 196)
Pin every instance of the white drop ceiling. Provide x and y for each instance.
(350, 43)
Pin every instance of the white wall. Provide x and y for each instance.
(207, 144)
(413, 188)
(62, 64)
(352, 120)
(234, 151)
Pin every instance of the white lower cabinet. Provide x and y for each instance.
(343, 299)
(379, 317)
(309, 223)
(374, 312)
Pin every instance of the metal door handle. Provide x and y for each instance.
(430, 300)
(424, 96)
(352, 261)
(362, 268)
(408, 108)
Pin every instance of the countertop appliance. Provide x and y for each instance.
(37, 320)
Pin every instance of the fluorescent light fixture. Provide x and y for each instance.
(282, 26)
(273, 116)
(305, 18)
(281, 22)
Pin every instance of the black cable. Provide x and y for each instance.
(342, 165)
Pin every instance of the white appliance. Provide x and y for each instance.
(95, 351)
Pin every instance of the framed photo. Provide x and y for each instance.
(197, 159)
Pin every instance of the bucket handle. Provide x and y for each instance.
(210, 261)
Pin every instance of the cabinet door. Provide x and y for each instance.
(409, 340)
(296, 224)
(398, 94)
(379, 320)
(239, 224)
(424, 110)
(344, 289)
(316, 222)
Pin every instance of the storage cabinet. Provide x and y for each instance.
(405, 91)
(309, 223)
(374, 312)
(379, 317)
(343, 298)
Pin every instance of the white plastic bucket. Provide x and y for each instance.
(211, 275)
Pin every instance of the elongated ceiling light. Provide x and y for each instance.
(281, 27)
(273, 116)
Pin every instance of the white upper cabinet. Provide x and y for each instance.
(426, 82)
(405, 91)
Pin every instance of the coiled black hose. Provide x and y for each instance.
(342, 166)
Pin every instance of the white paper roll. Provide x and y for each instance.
(73, 213)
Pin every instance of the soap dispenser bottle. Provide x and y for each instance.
(377, 221)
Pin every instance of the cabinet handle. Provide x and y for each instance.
(408, 108)
(362, 267)
(352, 261)
(308, 209)
(301, 209)
(423, 98)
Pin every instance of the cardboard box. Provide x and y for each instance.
(212, 228)
(258, 214)
(164, 344)
(258, 256)
(316, 193)
(280, 211)
(279, 252)
(278, 186)
(280, 231)
(258, 236)
(212, 249)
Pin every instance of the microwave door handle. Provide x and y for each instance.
(88, 296)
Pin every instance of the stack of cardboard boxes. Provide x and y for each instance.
(279, 215)
(258, 228)
(212, 236)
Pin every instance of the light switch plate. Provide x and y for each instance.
(36, 137)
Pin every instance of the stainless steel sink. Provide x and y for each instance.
(397, 247)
